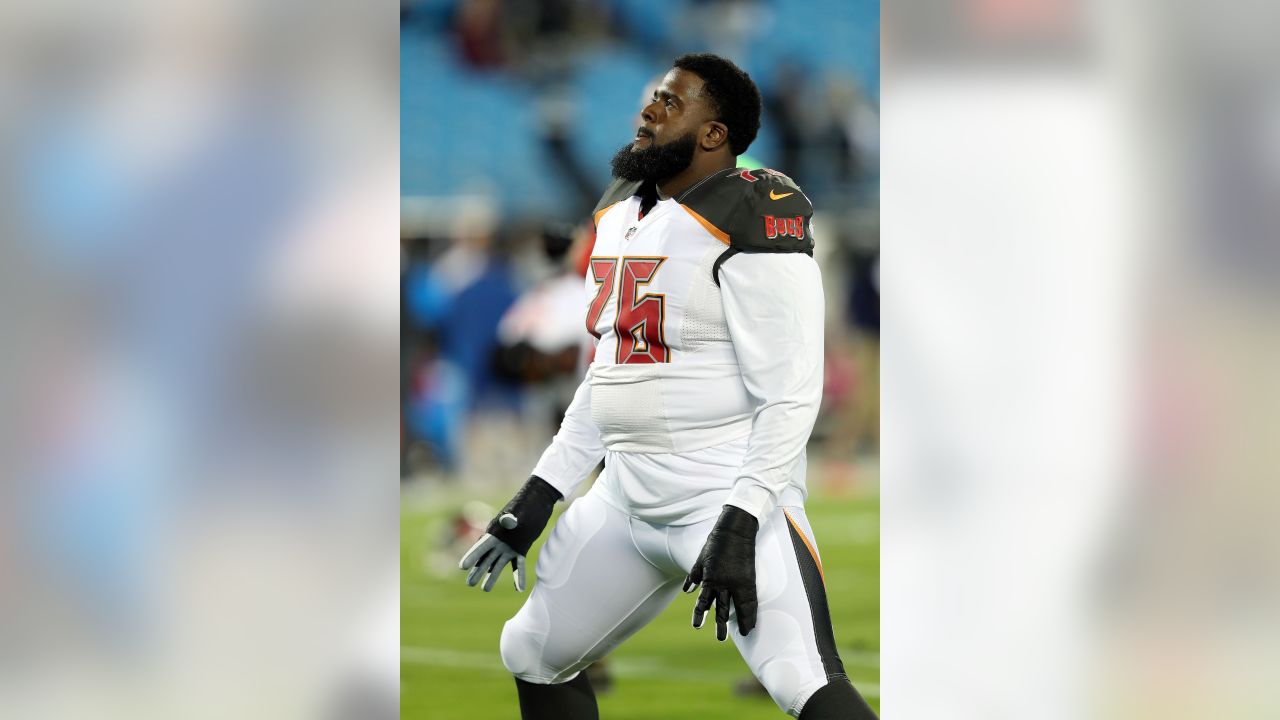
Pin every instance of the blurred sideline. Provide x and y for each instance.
(198, 512)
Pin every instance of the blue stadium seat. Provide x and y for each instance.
(461, 129)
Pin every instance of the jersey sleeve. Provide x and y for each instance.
(773, 304)
(576, 449)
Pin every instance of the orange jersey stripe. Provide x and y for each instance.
(716, 232)
(600, 213)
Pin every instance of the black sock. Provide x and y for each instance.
(837, 700)
(573, 700)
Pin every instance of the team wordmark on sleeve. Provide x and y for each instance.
(787, 227)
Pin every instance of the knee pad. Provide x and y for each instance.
(528, 653)
(785, 684)
(521, 651)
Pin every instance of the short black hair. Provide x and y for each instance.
(733, 94)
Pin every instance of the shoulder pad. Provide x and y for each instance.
(776, 216)
(715, 202)
(617, 191)
(758, 210)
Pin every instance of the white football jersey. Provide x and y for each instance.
(707, 373)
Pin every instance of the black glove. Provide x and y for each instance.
(726, 569)
(511, 534)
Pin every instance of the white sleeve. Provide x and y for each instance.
(773, 304)
(576, 449)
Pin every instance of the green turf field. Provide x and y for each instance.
(449, 632)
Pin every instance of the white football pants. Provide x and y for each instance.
(603, 575)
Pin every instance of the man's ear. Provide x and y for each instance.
(714, 135)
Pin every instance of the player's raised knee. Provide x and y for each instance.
(521, 651)
(788, 685)
(527, 654)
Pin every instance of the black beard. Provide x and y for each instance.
(656, 162)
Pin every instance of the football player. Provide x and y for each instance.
(707, 309)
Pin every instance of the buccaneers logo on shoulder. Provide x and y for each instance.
(790, 227)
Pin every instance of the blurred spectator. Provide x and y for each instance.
(725, 27)
(558, 128)
(453, 307)
(784, 103)
(542, 337)
(855, 128)
(480, 35)
(849, 128)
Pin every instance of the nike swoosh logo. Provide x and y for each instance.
(775, 196)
